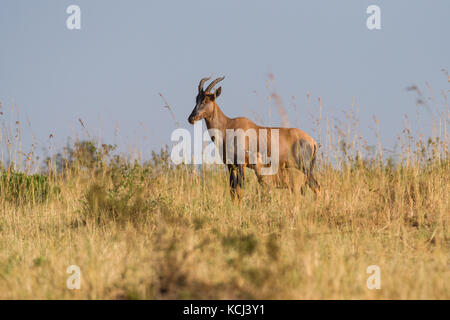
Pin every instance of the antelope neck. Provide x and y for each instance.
(217, 120)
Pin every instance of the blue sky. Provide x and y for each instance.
(110, 72)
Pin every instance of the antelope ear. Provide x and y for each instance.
(218, 92)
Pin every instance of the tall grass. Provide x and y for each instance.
(151, 230)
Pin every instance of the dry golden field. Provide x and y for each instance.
(151, 230)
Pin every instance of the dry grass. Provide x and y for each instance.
(153, 231)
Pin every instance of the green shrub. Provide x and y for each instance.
(19, 188)
(244, 244)
(102, 205)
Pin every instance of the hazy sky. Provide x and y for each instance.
(110, 72)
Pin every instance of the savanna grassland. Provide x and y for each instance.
(152, 230)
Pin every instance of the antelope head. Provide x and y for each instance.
(205, 101)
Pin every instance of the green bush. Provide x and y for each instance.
(18, 187)
(102, 205)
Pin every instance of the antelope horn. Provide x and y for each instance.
(202, 82)
(212, 84)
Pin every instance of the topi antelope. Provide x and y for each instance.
(296, 150)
